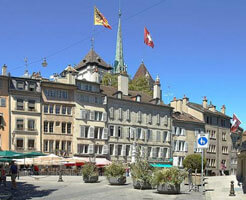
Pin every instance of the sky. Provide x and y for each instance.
(200, 46)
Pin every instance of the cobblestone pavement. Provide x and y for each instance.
(73, 188)
(218, 188)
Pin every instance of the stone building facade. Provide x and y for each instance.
(25, 114)
(136, 120)
(185, 129)
(217, 124)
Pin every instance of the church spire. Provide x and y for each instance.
(119, 65)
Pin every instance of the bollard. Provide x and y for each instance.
(60, 177)
(232, 191)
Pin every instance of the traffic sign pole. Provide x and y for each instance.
(202, 174)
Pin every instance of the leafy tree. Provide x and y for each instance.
(194, 161)
(110, 80)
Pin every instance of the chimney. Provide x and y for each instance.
(179, 105)
(123, 83)
(157, 89)
(95, 76)
(211, 107)
(223, 109)
(173, 103)
(205, 102)
(4, 70)
(184, 104)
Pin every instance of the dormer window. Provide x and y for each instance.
(32, 86)
(138, 98)
(119, 95)
(20, 85)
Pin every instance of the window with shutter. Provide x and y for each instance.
(120, 113)
(105, 133)
(168, 136)
(105, 149)
(111, 113)
(164, 135)
(175, 161)
(115, 130)
(186, 147)
(165, 120)
(150, 118)
(104, 116)
(173, 130)
(92, 115)
(158, 119)
(158, 136)
(82, 132)
(177, 131)
(91, 149)
(132, 133)
(116, 150)
(142, 134)
(168, 153)
(127, 132)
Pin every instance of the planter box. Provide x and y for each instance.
(141, 186)
(117, 181)
(90, 179)
(195, 180)
(168, 189)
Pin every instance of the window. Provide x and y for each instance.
(98, 116)
(2, 102)
(20, 85)
(58, 108)
(69, 128)
(111, 130)
(63, 127)
(69, 145)
(57, 145)
(1, 121)
(211, 148)
(45, 145)
(111, 149)
(32, 86)
(98, 149)
(63, 145)
(51, 127)
(45, 127)
(223, 123)
(149, 135)
(51, 109)
(20, 143)
(128, 147)
(1, 84)
(98, 132)
(20, 105)
(20, 124)
(82, 148)
(224, 149)
(138, 133)
(30, 144)
(119, 149)
(31, 125)
(64, 109)
(223, 136)
(128, 115)
(31, 105)
(138, 98)
(45, 108)
(69, 110)
(119, 131)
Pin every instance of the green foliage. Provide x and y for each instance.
(89, 169)
(171, 176)
(141, 171)
(110, 80)
(141, 84)
(115, 170)
(193, 162)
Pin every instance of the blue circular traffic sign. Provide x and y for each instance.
(202, 141)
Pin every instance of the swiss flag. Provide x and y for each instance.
(147, 38)
(235, 123)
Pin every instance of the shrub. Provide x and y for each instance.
(193, 162)
(115, 170)
(141, 171)
(172, 176)
(89, 169)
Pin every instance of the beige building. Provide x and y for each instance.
(137, 120)
(4, 111)
(185, 129)
(217, 124)
(25, 114)
(58, 108)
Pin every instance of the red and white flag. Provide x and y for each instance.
(235, 123)
(147, 38)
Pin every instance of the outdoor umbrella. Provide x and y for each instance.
(32, 154)
(10, 154)
(5, 160)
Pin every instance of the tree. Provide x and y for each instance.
(110, 80)
(194, 161)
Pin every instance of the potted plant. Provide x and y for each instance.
(168, 180)
(141, 173)
(193, 164)
(115, 174)
(90, 173)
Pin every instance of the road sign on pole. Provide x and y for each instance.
(202, 141)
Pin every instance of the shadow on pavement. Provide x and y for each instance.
(25, 191)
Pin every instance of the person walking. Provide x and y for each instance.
(13, 173)
(222, 167)
(2, 175)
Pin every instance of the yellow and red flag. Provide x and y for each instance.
(99, 19)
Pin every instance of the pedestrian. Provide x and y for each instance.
(2, 175)
(222, 167)
(13, 173)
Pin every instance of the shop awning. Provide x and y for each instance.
(161, 165)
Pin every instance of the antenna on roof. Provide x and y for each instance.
(168, 94)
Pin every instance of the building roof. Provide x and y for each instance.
(145, 98)
(185, 117)
(92, 58)
(200, 108)
(143, 72)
